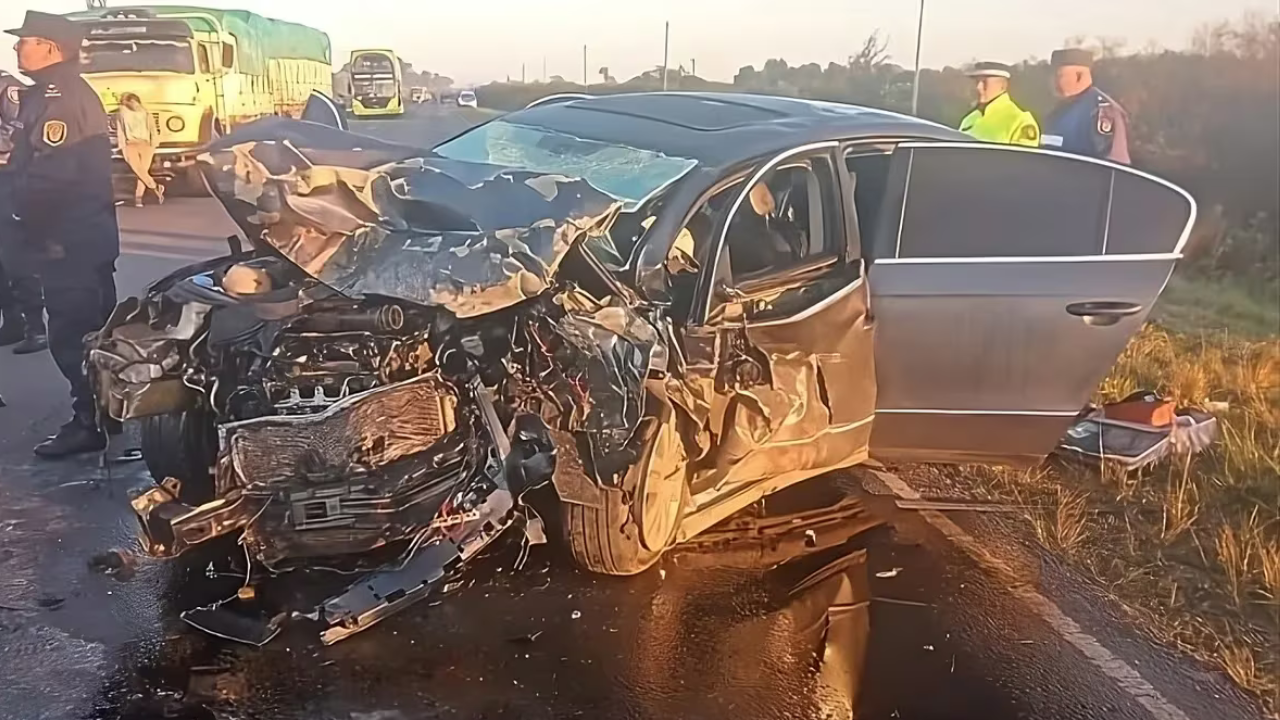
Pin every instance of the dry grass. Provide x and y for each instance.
(1192, 546)
(1067, 528)
(1233, 556)
(1181, 506)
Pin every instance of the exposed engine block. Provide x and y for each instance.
(328, 355)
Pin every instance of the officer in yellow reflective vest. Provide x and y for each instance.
(997, 118)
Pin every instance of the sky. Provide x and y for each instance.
(482, 40)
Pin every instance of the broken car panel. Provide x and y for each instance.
(665, 320)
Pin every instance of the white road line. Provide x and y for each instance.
(1106, 661)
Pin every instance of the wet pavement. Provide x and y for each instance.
(913, 628)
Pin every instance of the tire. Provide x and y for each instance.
(611, 540)
(183, 446)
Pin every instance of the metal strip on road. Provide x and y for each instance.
(1120, 672)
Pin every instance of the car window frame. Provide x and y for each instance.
(898, 191)
(701, 310)
(863, 239)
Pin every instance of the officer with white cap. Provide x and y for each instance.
(997, 118)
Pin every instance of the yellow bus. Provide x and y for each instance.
(201, 71)
(376, 83)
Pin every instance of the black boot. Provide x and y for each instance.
(78, 437)
(12, 328)
(35, 338)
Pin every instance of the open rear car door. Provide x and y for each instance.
(1005, 283)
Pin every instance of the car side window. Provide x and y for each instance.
(979, 202)
(869, 172)
(784, 249)
(788, 220)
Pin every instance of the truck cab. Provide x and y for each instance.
(175, 69)
(200, 72)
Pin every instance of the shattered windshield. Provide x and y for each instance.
(625, 173)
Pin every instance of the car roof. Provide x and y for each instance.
(720, 129)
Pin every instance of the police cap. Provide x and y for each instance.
(1071, 57)
(54, 28)
(989, 69)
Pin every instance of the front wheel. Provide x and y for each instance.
(637, 524)
(182, 445)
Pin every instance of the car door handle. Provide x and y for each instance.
(1103, 313)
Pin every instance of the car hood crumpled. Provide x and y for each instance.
(469, 237)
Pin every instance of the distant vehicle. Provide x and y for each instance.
(201, 71)
(376, 83)
(466, 98)
(419, 95)
(557, 99)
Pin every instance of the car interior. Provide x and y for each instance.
(780, 227)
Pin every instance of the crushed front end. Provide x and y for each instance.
(359, 391)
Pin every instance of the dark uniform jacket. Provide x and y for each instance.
(11, 89)
(62, 161)
(1091, 124)
(10, 100)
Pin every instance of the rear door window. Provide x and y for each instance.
(979, 202)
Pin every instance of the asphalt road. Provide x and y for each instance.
(944, 617)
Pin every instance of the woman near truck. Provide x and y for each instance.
(137, 142)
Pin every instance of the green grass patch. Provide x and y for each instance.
(1194, 304)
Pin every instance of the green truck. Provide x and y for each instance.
(201, 71)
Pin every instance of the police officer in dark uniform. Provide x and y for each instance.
(1086, 120)
(21, 308)
(62, 157)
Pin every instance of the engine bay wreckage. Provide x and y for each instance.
(409, 346)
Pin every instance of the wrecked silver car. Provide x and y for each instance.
(666, 306)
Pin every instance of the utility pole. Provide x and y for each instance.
(666, 50)
(544, 68)
(693, 67)
(522, 76)
(586, 83)
(915, 84)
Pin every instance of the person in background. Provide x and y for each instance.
(137, 143)
(997, 118)
(21, 307)
(62, 161)
(1086, 120)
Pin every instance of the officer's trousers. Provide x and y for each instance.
(19, 287)
(79, 298)
(21, 294)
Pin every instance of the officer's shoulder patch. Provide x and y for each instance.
(55, 132)
(14, 93)
(1106, 123)
(1030, 132)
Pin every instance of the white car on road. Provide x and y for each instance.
(467, 98)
